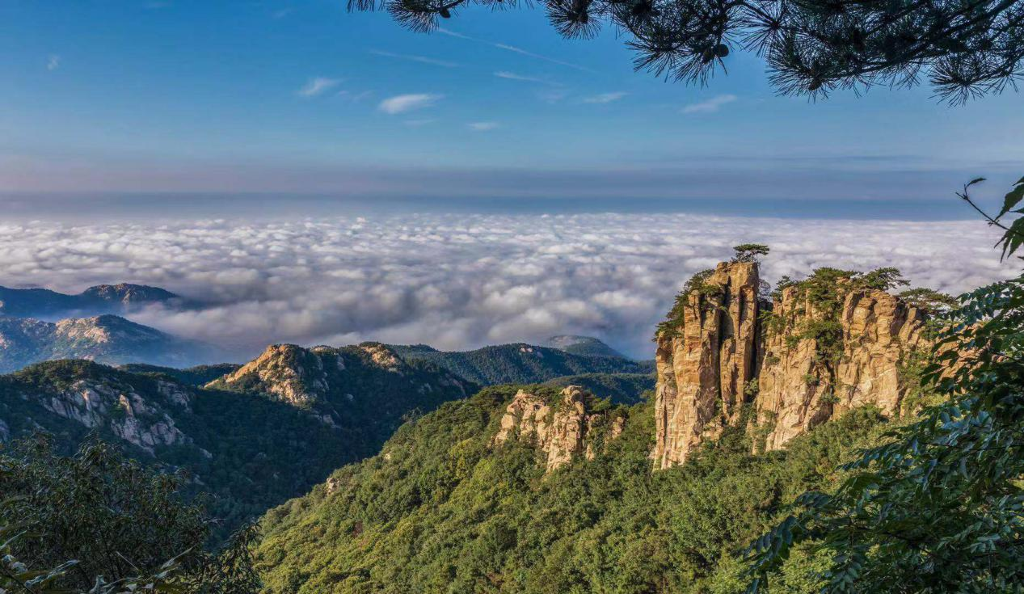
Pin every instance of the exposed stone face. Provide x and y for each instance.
(879, 331)
(704, 365)
(289, 372)
(127, 414)
(798, 392)
(383, 356)
(5, 431)
(719, 345)
(792, 385)
(561, 431)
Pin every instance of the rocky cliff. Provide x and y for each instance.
(706, 357)
(823, 346)
(810, 377)
(141, 416)
(562, 428)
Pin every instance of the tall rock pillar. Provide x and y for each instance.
(705, 358)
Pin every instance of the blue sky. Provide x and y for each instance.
(177, 96)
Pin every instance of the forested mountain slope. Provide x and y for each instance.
(448, 507)
(519, 363)
(244, 446)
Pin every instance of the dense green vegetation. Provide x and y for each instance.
(519, 363)
(440, 510)
(97, 522)
(621, 388)
(246, 452)
(200, 375)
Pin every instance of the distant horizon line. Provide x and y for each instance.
(189, 204)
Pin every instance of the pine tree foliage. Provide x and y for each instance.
(98, 523)
(965, 48)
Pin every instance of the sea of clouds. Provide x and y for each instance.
(461, 281)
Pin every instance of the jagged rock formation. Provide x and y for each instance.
(818, 354)
(562, 430)
(705, 359)
(289, 372)
(798, 391)
(101, 403)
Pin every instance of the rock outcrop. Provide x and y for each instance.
(705, 360)
(336, 383)
(288, 372)
(95, 404)
(799, 390)
(561, 430)
(819, 354)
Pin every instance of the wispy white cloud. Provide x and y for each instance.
(318, 85)
(710, 106)
(520, 77)
(483, 126)
(404, 103)
(280, 14)
(53, 62)
(605, 97)
(414, 58)
(516, 50)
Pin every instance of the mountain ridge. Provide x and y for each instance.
(95, 300)
(105, 338)
(519, 363)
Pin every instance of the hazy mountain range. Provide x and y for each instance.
(100, 299)
(104, 338)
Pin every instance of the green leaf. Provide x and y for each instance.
(1013, 198)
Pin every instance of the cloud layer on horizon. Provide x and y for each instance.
(459, 282)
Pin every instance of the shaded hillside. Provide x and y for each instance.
(106, 339)
(245, 447)
(100, 299)
(518, 363)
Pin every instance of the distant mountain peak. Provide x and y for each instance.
(99, 299)
(582, 345)
(105, 338)
(128, 293)
(322, 378)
